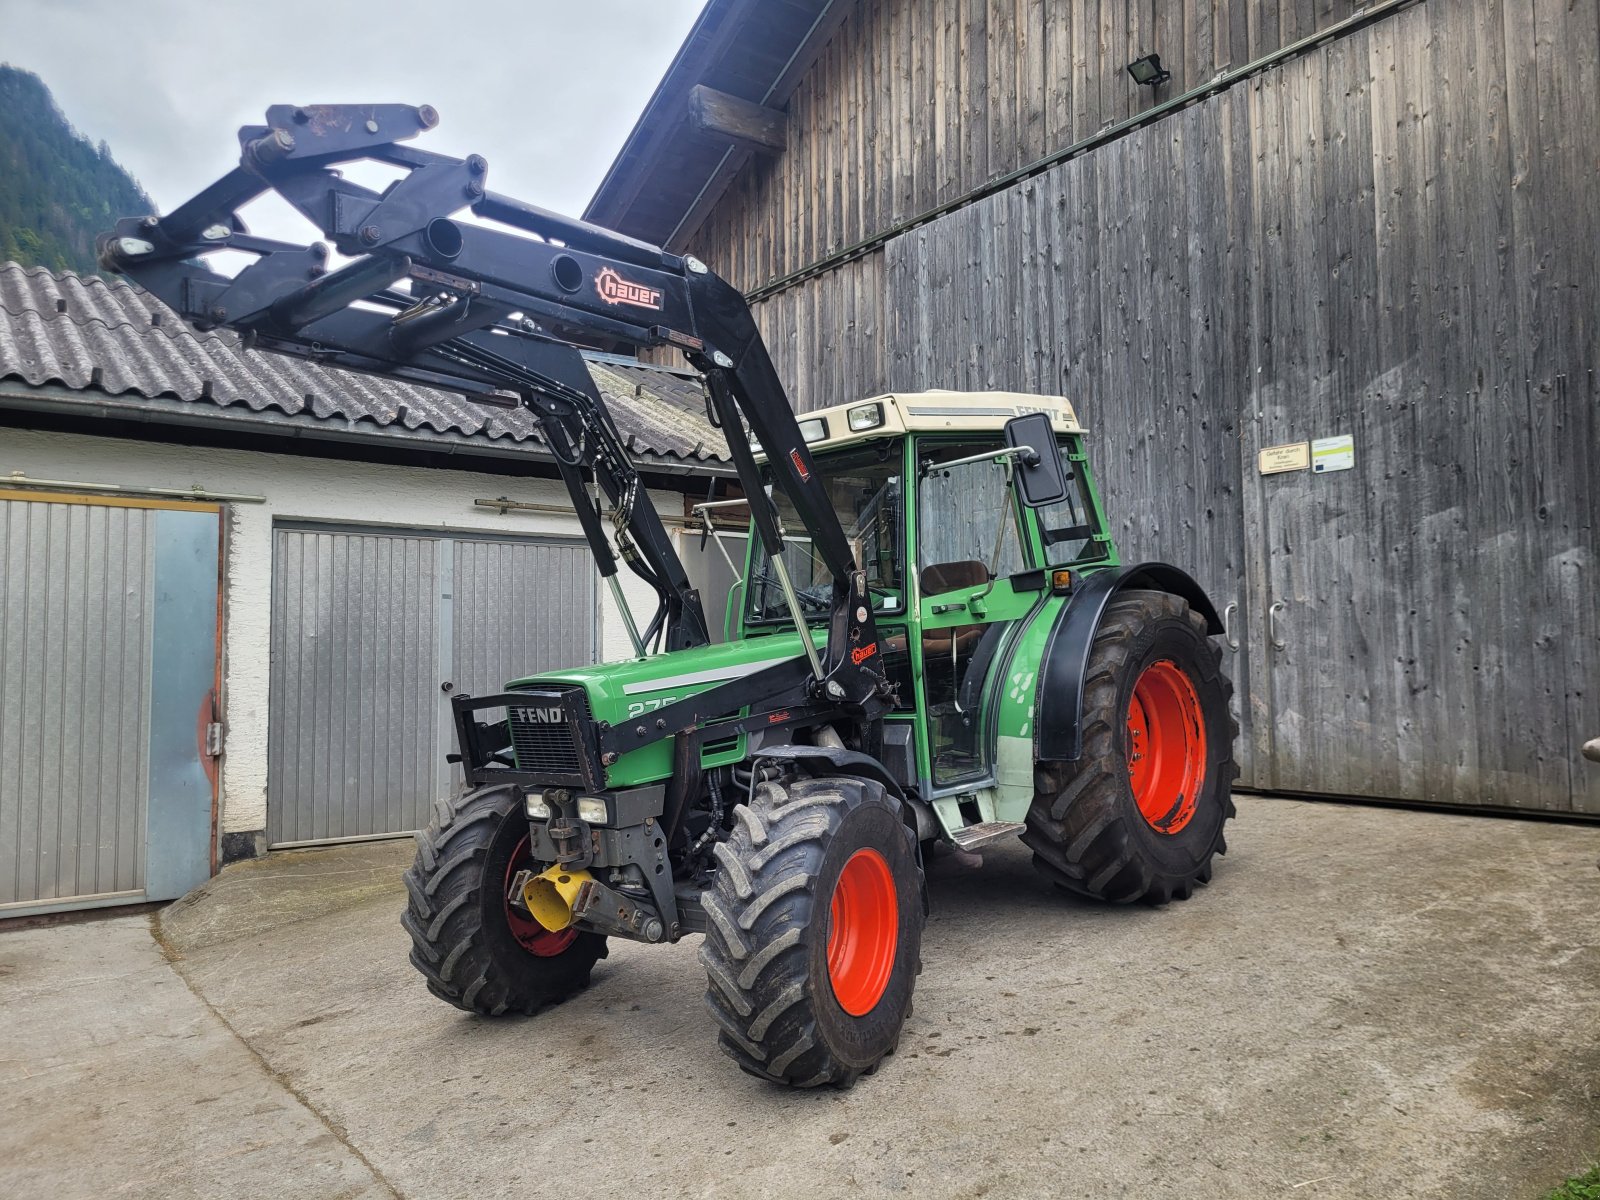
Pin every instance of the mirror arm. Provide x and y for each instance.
(1005, 454)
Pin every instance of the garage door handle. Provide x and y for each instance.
(1227, 626)
(1272, 623)
(447, 687)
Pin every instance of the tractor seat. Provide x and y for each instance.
(947, 577)
(950, 577)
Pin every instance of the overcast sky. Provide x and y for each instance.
(546, 90)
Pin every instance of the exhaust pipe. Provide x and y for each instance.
(550, 896)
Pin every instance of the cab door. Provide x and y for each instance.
(969, 543)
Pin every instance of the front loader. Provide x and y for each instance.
(934, 641)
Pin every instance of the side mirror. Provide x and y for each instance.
(1039, 476)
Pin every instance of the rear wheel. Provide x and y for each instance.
(476, 951)
(1140, 815)
(815, 931)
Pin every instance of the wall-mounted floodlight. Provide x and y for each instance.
(1148, 70)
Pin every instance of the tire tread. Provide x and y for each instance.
(444, 917)
(755, 953)
(1079, 825)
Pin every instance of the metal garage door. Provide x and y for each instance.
(108, 656)
(369, 626)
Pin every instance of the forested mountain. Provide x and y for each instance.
(57, 190)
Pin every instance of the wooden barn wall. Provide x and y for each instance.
(916, 102)
(838, 319)
(1394, 237)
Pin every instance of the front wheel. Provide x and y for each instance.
(476, 951)
(815, 931)
(1139, 816)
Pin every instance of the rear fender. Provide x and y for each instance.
(1059, 733)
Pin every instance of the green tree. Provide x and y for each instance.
(57, 189)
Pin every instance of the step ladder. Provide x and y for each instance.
(986, 832)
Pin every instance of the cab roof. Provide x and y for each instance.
(934, 412)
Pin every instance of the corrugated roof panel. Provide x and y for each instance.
(89, 335)
(659, 408)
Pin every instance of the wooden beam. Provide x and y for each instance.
(746, 125)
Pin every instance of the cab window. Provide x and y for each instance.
(961, 513)
(1068, 527)
(865, 487)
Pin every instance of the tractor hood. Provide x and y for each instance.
(619, 690)
(627, 690)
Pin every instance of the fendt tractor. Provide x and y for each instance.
(933, 642)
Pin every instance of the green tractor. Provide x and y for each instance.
(1040, 689)
(932, 642)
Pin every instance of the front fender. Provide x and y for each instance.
(1059, 730)
(829, 760)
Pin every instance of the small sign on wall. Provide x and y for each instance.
(1273, 460)
(1333, 454)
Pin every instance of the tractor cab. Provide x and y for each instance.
(933, 492)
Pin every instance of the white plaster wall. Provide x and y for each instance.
(312, 489)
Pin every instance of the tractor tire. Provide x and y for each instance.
(475, 951)
(1140, 815)
(814, 932)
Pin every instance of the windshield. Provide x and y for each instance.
(864, 484)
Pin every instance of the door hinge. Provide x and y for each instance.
(214, 740)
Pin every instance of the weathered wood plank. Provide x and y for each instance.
(1239, 33)
(1056, 69)
(834, 197)
(1579, 567)
(1461, 241)
(905, 37)
(1168, 38)
(943, 85)
(1085, 32)
(855, 164)
(1389, 400)
(1034, 101)
(1116, 89)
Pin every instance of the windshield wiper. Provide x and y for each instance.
(806, 596)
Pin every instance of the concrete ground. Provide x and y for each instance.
(1365, 1003)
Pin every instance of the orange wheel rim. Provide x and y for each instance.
(1166, 746)
(863, 932)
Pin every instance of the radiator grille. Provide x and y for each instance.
(545, 747)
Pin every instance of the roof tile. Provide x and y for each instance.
(86, 334)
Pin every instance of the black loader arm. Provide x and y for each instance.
(498, 309)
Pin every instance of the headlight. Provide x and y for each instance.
(536, 808)
(864, 416)
(814, 429)
(592, 809)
